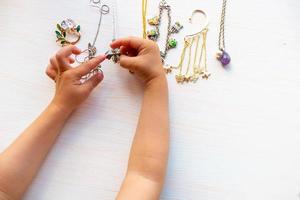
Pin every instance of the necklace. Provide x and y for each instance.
(154, 34)
(196, 64)
(114, 54)
(144, 15)
(91, 50)
(222, 55)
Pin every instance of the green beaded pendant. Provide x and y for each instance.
(172, 43)
(152, 34)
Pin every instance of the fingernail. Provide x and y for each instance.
(100, 76)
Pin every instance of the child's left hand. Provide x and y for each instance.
(70, 91)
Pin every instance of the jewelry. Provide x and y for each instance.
(222, 55)
(114, 54)
(67, 27)
(92, 50)
(198, 68)
(144, 15)
(155, 33)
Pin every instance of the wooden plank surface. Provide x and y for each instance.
(235, 136)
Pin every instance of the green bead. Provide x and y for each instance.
(78, 28)
(172, 43)
(153, 32)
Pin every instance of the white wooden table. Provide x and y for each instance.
(233, 137)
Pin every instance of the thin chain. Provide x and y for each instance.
(161, 10)
(115, 19)
(91, 50)
(114, 54)
(104, 9)
(201, 68)
(204, 34)
(222, 27)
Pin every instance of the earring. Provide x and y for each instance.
(67, 27)
(195, 49)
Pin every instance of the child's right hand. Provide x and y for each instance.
(70, 90)
(140, 56)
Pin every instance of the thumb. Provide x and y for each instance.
(93, 81)
(128, 62)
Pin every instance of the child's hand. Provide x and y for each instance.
(141, 57)
(70, 91)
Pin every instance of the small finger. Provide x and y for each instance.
(51, 73)
(71, 60)
(68, 50)
(93, 81)
(54, 65)
(62, 56)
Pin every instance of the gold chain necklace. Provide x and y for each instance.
(144, 15)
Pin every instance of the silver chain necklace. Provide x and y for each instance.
(154, 34)
(92, 50)
(222, 55)
(114, 54)
(103, 10)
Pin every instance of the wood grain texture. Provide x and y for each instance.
(233, 137)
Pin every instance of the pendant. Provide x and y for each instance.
(154, 21)
(223, 57)
(172, 43)
(153, 35)
(114, 55)
(176, 28)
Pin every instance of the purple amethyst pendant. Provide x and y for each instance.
(223, 57)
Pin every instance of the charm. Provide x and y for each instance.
(114, 55)
(176, 28)
(179, 78)
(186, 79)
(154, 21)
(205, 75)
(67, 26)
(92, 50)
(163, 5)
(223, 57)
(153, 35)
(168, 69)
(172, 43)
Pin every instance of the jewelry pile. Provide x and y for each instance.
(68, 26)
(193, 60)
